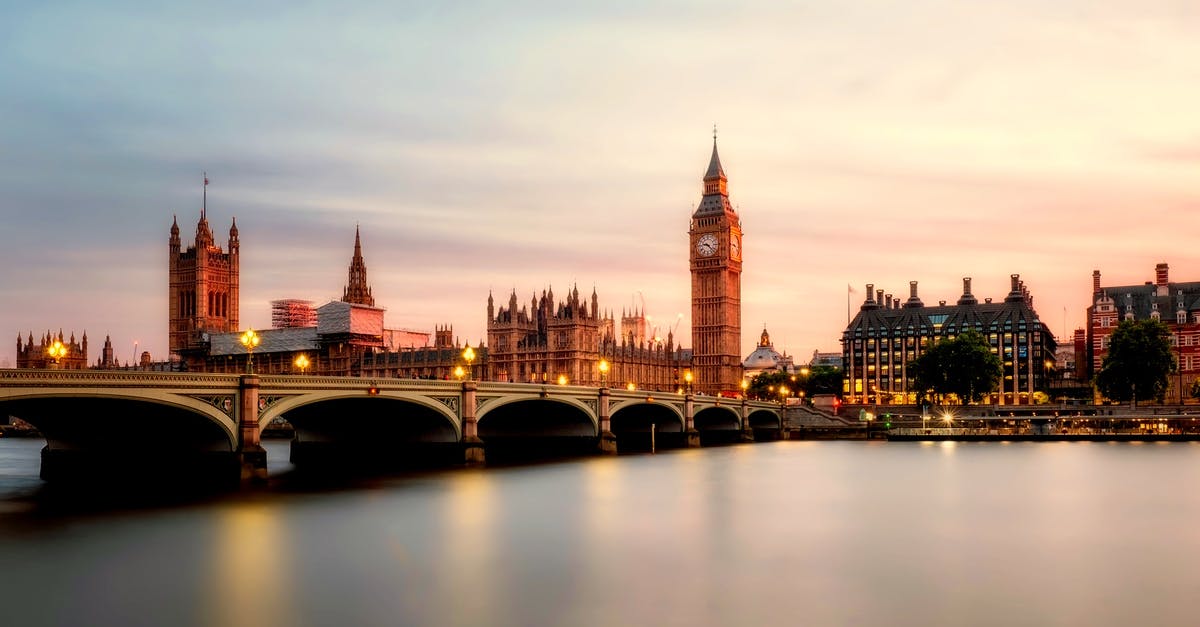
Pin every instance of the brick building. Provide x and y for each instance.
(1175, 304)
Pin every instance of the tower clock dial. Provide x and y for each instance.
(735, 247)
(707, 245)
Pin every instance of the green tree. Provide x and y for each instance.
(1138, 362)
(819, 380)
(964, 366)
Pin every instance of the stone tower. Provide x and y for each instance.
(203, 284)
(357, 291)
(716, 264)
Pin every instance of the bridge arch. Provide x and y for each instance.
(632, 421)
(123, 418)
(717, 418)
(528, 416)
(764, 419)
(404, 417)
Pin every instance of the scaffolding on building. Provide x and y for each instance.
(293, 313)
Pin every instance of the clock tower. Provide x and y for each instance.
(716, 264)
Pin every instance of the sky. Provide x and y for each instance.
(487, 146)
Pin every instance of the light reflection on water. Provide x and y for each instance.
(814, 533)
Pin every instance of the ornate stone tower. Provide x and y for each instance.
(357, 291)
(203, 285)
(716, 263)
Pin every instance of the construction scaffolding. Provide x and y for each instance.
(292, 313)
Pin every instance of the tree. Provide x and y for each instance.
(964, 366)
(819, 380)
(1138, 362)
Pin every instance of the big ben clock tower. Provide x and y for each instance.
(716, 263)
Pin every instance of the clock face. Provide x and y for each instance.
(735, 247)
(706, 245)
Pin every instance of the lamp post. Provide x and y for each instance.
(469, 355)
(251, 341)
(459, 372)
(745, 387)
(562, 379)
(687, 381)
(603, 371)
(631, 386)
(302, 363)
(56, 351)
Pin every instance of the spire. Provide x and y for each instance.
(716, 187)
(204, 201)
(714, 163)
(357, 291)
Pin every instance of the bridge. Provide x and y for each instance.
(149, 423)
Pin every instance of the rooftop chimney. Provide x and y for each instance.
(1014, 294)
(913, 299)
(879, 297)
(967, 298)
(1160, 279)
(1095, 281)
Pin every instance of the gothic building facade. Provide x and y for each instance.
(716, 266)
(37, 354)
(888, 334)
(572, 341)
(203, 288)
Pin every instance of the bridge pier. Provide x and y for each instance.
(691, 435)
(607, 443)
(473, 452)
(252, 457)
(747, 430)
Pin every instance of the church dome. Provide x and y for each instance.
(764, 357)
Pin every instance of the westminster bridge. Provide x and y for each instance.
(149, 423)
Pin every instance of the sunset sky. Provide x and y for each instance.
(486, 146)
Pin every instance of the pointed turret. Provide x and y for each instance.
(357, 291)
(716, 188)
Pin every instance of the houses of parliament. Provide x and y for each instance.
(543, 339)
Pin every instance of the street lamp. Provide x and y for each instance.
(251, 341)
(469, 355)
(603, 371)
(687, 380)
(745, 387)
(631, 386)
(56, 351)
(302, 363)
(562, 379)
(458, 372)
(783, 396)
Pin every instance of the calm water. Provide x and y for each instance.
(789, 533)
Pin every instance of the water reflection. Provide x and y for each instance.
(815, 533)
(250, 579)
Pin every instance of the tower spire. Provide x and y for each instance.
(204, 200)
(357, 291)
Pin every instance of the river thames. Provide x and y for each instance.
(785, 533)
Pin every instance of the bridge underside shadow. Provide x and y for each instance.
(632, 425)
(536, 429)
(126, 443)
(370, 434)
(717, 426)
(765, 424)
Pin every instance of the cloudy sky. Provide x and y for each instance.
(486, 146)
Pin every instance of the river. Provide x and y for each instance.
(786, 533)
